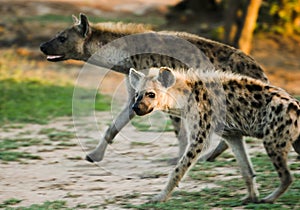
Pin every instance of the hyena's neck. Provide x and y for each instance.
(178, 95)
(104, 33)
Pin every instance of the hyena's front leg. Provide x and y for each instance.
(121, 120)
(183, 165)
(181, 134)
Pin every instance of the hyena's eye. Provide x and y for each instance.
(61, 39)
(150, 94)
(136, 95)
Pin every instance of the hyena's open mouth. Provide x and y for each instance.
(55, 58)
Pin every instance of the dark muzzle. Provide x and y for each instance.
(140, 109)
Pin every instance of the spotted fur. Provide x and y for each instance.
(231, 106)
(83, 39)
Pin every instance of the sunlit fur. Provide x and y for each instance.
(231, 106)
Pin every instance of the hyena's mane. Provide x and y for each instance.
(122, 28)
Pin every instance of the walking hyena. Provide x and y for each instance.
(83, 39)
(221, 102)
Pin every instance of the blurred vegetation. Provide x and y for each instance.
(28, 95)
(153, 20)
(280, 16)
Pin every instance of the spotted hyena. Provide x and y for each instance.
(83, 39)
(229, 105)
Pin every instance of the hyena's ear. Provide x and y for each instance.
(75, 19)
(83, 25)
(166, 77)
(135, 77)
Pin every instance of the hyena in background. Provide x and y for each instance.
(83, 39)
(219, 102)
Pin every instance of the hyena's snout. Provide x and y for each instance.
(141, 108)
(43, 47)
(52, 52)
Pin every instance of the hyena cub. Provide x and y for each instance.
(229, 105)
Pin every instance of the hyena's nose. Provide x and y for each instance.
(135, 108)
(43, 47)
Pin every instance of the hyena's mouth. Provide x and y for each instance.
(55, 58)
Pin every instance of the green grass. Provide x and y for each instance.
(9, 202)
(7, 147)
(9, 144)
(38, 102)
(228, 193)
(16, 156)
(138, 143)
(153, 123)
(61, 135)
(47, 205)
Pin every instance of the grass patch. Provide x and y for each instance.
(139, 143)
(61, 136)
(153, 123)
(6, 145)
(16, 156)
(47, 205)
(37, 102)
(9, 202)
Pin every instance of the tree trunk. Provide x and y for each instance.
(230, 27)
(244, 42)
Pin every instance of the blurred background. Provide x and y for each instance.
(268, 30)
(275, 25)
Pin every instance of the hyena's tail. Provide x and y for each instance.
(296, 145)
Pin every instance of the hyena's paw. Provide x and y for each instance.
(248, 199)
(91, 158)
(161, 197)
(266, 200)
(98, 153)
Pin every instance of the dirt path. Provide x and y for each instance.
(134, 168)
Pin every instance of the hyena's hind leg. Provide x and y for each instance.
(296, 146)
(278, 153)
(237, 145)
(211, 156)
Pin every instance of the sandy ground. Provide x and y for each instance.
(129, 167)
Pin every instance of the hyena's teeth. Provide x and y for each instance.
(54, 56)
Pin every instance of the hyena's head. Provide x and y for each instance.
(151, 91)
(70, 43)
